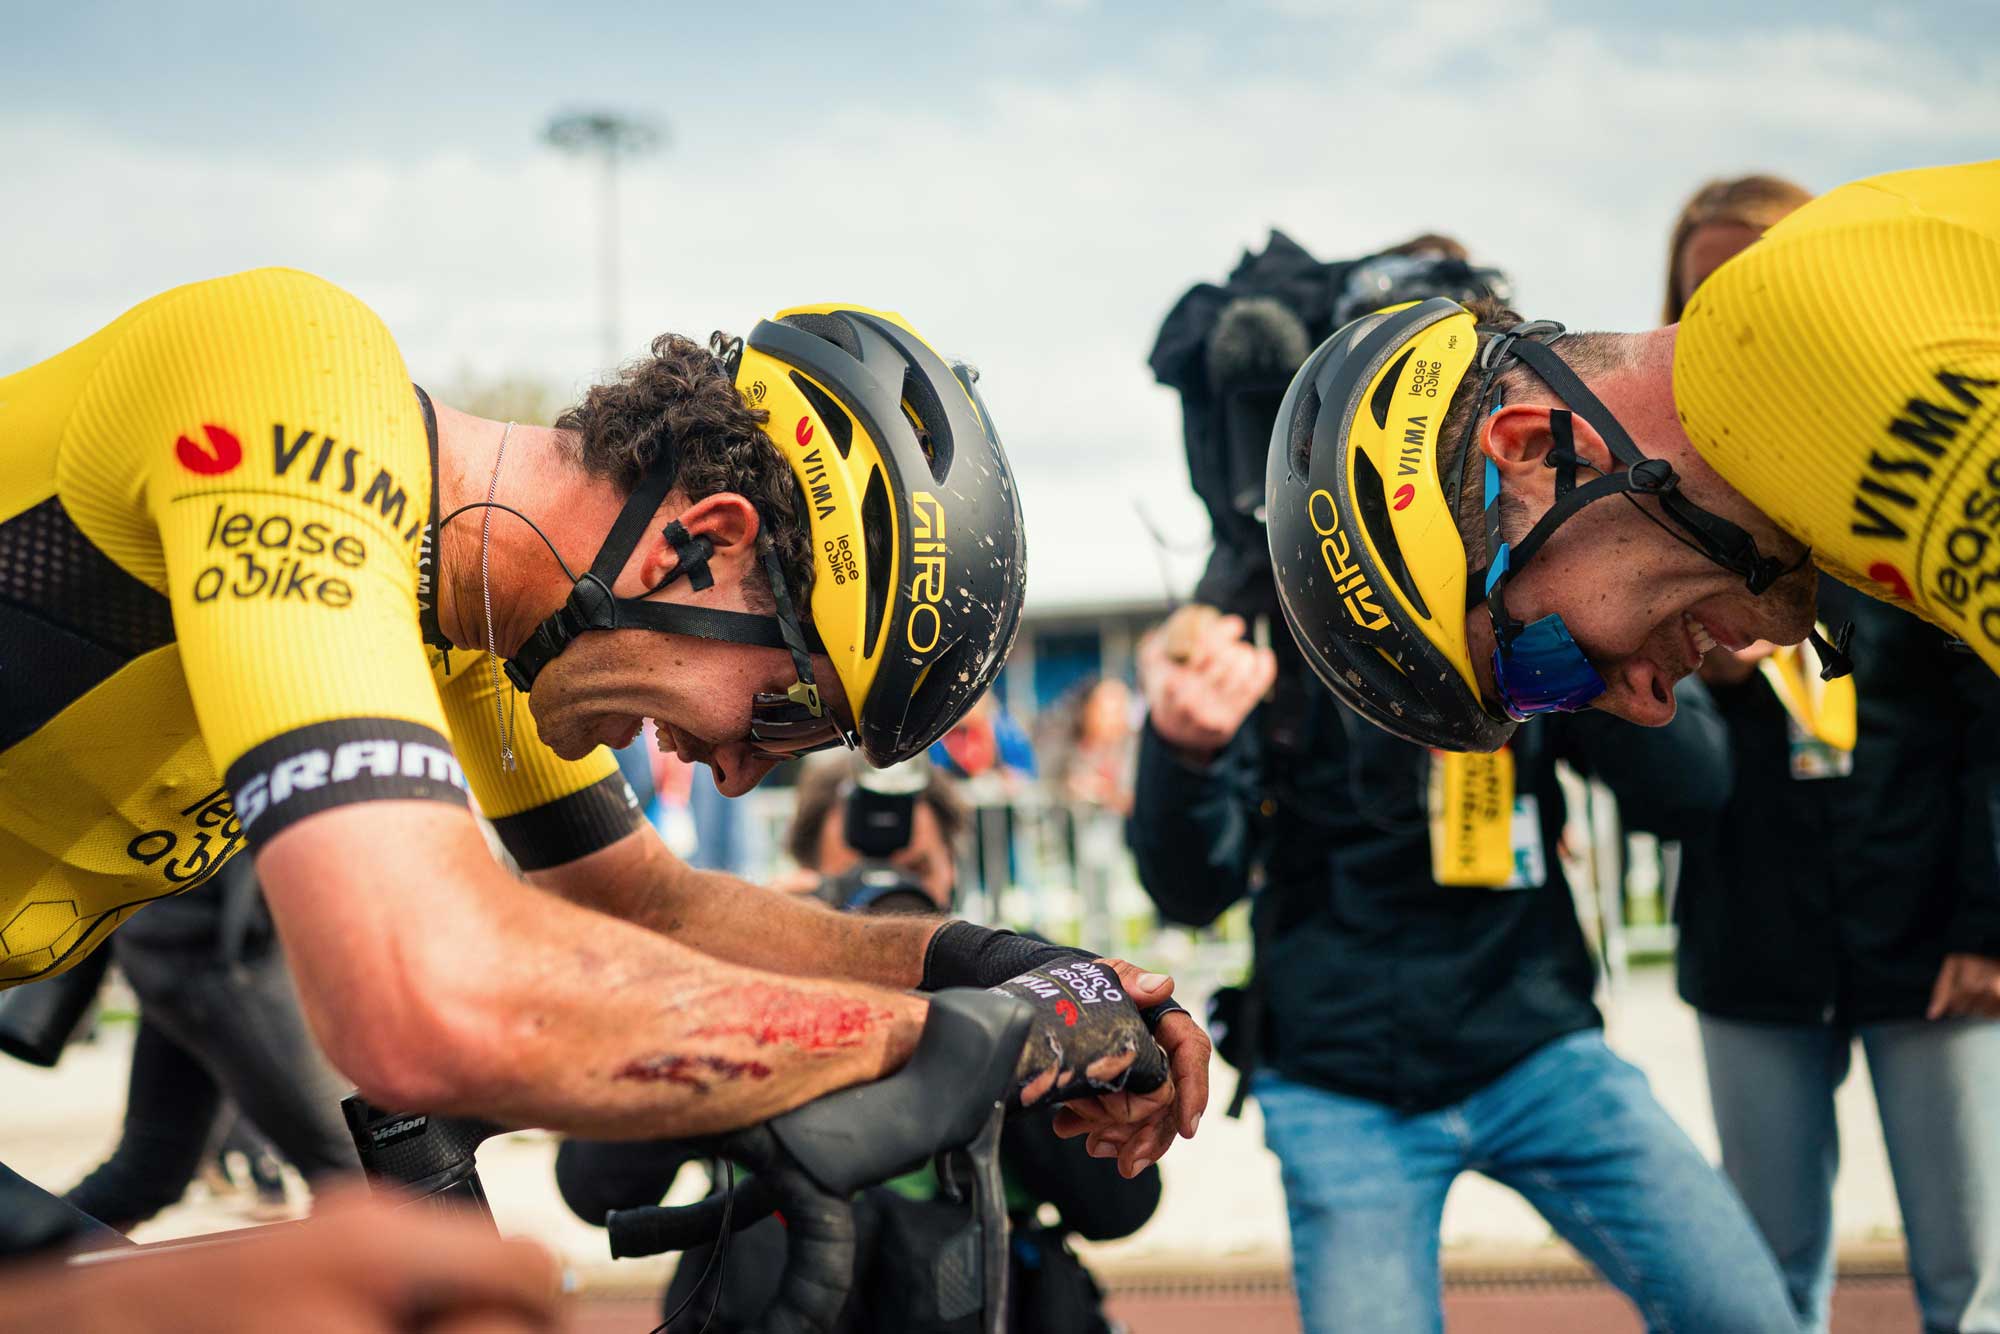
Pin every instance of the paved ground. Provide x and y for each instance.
(1222, 1211)
(1867, 1306)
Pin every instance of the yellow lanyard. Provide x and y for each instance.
(1824, 710)
(1472, 818)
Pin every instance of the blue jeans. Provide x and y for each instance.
(1577, 1132)
(1936, 1084)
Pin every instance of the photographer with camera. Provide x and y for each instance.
(888, 841)
(1421, 998)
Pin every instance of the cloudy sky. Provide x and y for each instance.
(1031, 182)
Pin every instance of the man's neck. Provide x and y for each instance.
(535, 478)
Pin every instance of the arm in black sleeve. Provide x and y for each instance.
(1975, 920)
(1668, 780)
(1095, 1202)
(1191, 830)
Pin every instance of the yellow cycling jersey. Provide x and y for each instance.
(216, 526)
(1843, 373)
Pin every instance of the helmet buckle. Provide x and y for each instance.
(1653, 477)
(807, 694)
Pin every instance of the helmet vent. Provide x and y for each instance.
(838, 424)
(1370, 497)
(933, 426)
(1385, 392)
(878, 529)
(832, 328)
(943, 683)
(1299, 446)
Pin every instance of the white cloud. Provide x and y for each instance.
(1041, 229)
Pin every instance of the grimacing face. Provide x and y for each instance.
(698, 692)
(1643, 605)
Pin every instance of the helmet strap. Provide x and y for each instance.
(592, 605)
(1714, 536)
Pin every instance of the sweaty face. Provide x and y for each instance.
(1643, 606)
(601, 688)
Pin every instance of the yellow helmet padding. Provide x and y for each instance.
(1404, 451)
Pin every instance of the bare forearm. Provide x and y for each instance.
(730, 919)
(790, 933)
(594, 1026)
(484, 995)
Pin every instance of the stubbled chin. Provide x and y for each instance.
(571, 743)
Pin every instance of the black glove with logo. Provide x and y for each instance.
(1088, 1037)
(964, 954)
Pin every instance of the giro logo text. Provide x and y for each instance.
(1356, 594)
(922, 628)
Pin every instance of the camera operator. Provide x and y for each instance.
(1421, 998)
(887, 841)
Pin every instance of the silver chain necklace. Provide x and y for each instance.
(503, 716)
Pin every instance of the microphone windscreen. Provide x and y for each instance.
(1256, 338)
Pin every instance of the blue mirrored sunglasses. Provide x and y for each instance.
(1544, 671)
(1541, 669)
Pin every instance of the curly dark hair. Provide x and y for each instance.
(682, 398)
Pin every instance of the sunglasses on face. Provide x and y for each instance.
(798, 722)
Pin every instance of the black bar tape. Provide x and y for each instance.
(965, 954)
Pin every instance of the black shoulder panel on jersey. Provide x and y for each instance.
(70, 617)
(571, 827)
(315, 768)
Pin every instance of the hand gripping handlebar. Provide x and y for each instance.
(949, 1098)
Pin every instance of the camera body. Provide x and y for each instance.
(878, 820)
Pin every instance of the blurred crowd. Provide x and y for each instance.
(1401, 1022)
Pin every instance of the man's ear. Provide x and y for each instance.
(1518, 440)
(729, 522)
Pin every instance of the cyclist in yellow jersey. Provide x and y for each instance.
(1830, 397)
(218, 574)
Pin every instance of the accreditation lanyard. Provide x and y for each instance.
(1482, 834)
(1822, 716)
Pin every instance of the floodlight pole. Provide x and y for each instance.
(611, 138)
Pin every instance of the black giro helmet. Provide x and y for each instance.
(920, 560)
(1370, 567)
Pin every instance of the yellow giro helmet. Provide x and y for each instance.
(919, 553)
(1370, 568)
(920, 562)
